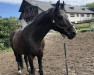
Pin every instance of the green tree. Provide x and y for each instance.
(12, 17)
(7, 25)
(90, 5)
(0, 17)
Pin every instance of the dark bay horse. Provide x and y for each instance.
(29, 41)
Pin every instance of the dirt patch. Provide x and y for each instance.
(80, 53)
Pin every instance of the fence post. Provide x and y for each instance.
(90, 26)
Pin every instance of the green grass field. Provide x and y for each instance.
(6, 50)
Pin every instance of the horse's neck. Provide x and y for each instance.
(38, 29)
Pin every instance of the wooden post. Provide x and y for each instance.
(90, 26)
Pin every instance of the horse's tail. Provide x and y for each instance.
(11, 38)
(17, 55)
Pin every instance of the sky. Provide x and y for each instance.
(11, 7)
(73, 2)
(7, 10)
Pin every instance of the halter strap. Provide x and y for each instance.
(64, 28)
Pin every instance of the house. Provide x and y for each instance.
(30, 8)
(77, 14)
(92, 9)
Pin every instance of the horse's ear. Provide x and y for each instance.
(62, 6)
(57, 7)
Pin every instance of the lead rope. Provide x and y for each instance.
(65, 54)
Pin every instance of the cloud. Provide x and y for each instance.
(72, 2)
(81, 2)
(11, 1)
(89, 1)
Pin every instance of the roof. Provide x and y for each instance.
(92, 9)
(42, 5)
(69, 8)
(77, 9)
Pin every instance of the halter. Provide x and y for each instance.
(56, 25)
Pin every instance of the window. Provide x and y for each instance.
(82, 15)
(77, 15)
(72, 15)
(88, 15)
(34, 10)
(71, 7)
(92, 15)
(83, 8)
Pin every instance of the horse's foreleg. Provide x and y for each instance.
(31, 64)
(40, 63)
(26, 62)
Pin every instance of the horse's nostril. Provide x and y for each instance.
(73, 33)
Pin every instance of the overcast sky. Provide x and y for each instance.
(72, 2)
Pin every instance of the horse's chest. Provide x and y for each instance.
(33, 50)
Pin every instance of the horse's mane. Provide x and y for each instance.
(39, 16)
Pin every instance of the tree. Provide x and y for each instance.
(0, 17)
(90, 5)
(12, 17)
(7, 25)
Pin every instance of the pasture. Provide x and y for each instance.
(80, 53)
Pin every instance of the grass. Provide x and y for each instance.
(6, 50)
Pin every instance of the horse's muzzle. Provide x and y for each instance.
(71, 35)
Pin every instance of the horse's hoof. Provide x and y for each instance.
(19, 72)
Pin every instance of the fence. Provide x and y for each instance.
(85, 27)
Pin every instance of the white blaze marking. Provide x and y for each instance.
(75, 29)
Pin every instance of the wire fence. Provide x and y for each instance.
(85, 27)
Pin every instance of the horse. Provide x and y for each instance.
(30, 40)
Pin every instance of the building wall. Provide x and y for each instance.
(24, 23)
(75, 19)
(39, 11)
(78, 19)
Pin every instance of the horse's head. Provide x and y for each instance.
(61, 22)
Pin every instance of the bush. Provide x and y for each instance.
(6, 27)
(88, 21)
